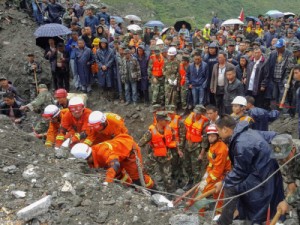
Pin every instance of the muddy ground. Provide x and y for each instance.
(86, 202)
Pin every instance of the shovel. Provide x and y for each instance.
(204, 195)
(179, 199)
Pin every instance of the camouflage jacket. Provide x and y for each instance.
(130, 70)
(41, 101)
(171, 71)
(30, 72)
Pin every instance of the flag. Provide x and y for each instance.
(242, 15)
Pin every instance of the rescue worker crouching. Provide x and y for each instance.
(53, 115)
(195, 142)
(162, 141)
(239, 105)
(74, 123)
(119, 156)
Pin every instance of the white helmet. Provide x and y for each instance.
(159, 42)
(172, 51)
(207, 25)
(76, 101)
(81, 151)
(97, 117)
(51, 111)
(239, 100)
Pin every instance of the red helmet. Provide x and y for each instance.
(60, 93)
(211, 129)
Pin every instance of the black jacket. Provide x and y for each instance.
(4, 109)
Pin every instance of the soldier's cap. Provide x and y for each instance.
(282, 145)
(296, 48)
(213, 45)
(157, 49)
(186, 51)
(127, 51)
(116, 35)
(162, 115)
(165, 50)
(170, 108)
(185, 58)
(249, 49)
(173, 44)
(30, 54)
(190, 43)
(231, 43)
(199, 51)
(123, 46)
(199, 109)
(181, 32)
(42, 86)
(247, 41)
(116, 42)
(142, 47)
(256, 43)
(156, 107)
(199, 44)
(104, 40)
(2, 78)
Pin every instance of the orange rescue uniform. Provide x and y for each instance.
(73, 127)
(122, 149)
(157, 66)
(174, 124)
(182, 73)
(194, 129)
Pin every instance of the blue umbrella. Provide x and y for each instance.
(275, 14)
(253, 18)
(118, 19)
(52, 30)
(154, 23)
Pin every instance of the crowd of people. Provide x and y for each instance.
(212, 91)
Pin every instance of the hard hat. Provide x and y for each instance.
(60, 93)
(81, 151)
(207, 25)
(211, 129)
(75, 101)
(51, 111)
(159, 42)
(239, 100)
(172, 51)
(96, 118)
(96, 41)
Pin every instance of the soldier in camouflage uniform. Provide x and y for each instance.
(38, 105)
(32, 68)
(183, 86)
(177, 156)
(172, 78)
(196, 143)
(155, 67)
(285, 148)
(162, 140)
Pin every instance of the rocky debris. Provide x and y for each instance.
(161, 200)
(35, 209)
(30, 172)
(10, 169)
(68, 188)
(183, 219)
(19, 194)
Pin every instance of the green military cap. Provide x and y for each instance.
(157, 49)
(2, 78)
(116, 42)
(199, 109)
(199, 44)
(256, 43)
(165, 49)
(282, 145)
(123, 46)
(296, 48)
(185, 58)
(156, 107)
(181, 32)
(247, 41)
(171, 108)
(42, 86)
(199, 51)
(127, 51)
(162, 115)
(186, 51)
(231, 43)
(173, 44)
(180, 52)
(249, 50)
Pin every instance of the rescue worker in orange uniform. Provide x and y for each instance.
(119, 156)
(239, 105)
(62, 101)
(74, 123)
(54, 115)
(183, 86)
(156, 64)
(219, 165)
(162, 141)
(196, 144)
(104, 126)
(177, 125)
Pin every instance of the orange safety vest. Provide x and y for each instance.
(94, 66)
(160, 142)
(247, 119)
(194, 129)
(157, 68)
(175, 125)
(182, 73)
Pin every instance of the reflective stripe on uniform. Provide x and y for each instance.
(88, 142)
(212, 176)
(150, 183)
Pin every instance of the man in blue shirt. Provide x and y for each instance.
(91, 21)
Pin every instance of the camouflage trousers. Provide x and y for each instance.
(158, 90)
(171, 94)
(177, 166)
(194, 168)
(32, 91)
(183, 96)
(41, 127)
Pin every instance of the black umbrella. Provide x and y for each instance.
(43, 41)
(178, 25)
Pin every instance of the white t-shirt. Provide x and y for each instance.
(221, 76)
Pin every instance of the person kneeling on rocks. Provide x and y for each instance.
(122, 158)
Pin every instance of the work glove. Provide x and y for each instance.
(287, 86)
(48, 144)
(170, 81)
(205, 176)
(202, 185)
